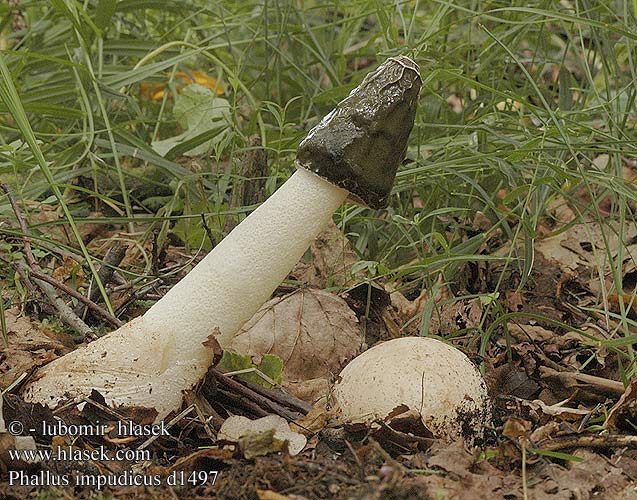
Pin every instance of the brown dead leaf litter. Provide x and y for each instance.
(553, 351)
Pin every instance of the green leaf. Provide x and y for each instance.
(556, 454)
(138, 74)
(204, 116)
(565, 99)
(191, 233)
(271, 366)
(104, 12)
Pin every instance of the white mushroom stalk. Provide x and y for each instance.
(152, 359)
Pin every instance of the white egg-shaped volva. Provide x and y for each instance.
(426, 375)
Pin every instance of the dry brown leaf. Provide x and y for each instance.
(511, 379)
(332, 261)
(544, 431)
(583, 479)
(623, 414)
(481, 222)
(587, 244)
(529, 333)
(212, 343)
(70, 268)
(448, 316)
(313, 390)
(42, 214)
(404, 308)
(629, 300)
(29, 346)
(467, 479)
(9, 442)
(514, 300)
(312, 423)
(314, 332)
(563, 413)
(516, 427)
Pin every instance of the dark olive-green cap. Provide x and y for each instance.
(360, 144)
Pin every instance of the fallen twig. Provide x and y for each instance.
(112, 259)
(575, 380)
(26, 239)
(213, 241)
(279, 396)
(172, 422)
(264, 402)
(74, 293)
(48, 284)
(587, 441)
(239, 401)
(63, 311)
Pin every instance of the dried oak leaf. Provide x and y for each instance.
(529, 333)
(464, 477)
(70, 271)
(314, 332)
(333, 258)
(29, 346)
(447, 315)
(584, 479)
(623, 415)
(574, 244)
(315, 421)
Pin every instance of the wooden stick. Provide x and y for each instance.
(262, 401)
(279, 396)
(588, 441)
(47, 283)
(26, 239)
(65, 312)
(74, 293)
(578, 380)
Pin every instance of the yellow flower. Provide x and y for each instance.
(155, 91)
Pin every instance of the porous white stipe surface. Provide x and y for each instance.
(230, 284)
(152, 359)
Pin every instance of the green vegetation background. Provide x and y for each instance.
(519, 99)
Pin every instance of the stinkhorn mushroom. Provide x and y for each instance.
(421, 374)
(354, 151)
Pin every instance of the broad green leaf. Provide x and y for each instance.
(200, 112)
(191, 231)
(270, 365)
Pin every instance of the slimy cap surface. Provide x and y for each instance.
(359, 145)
